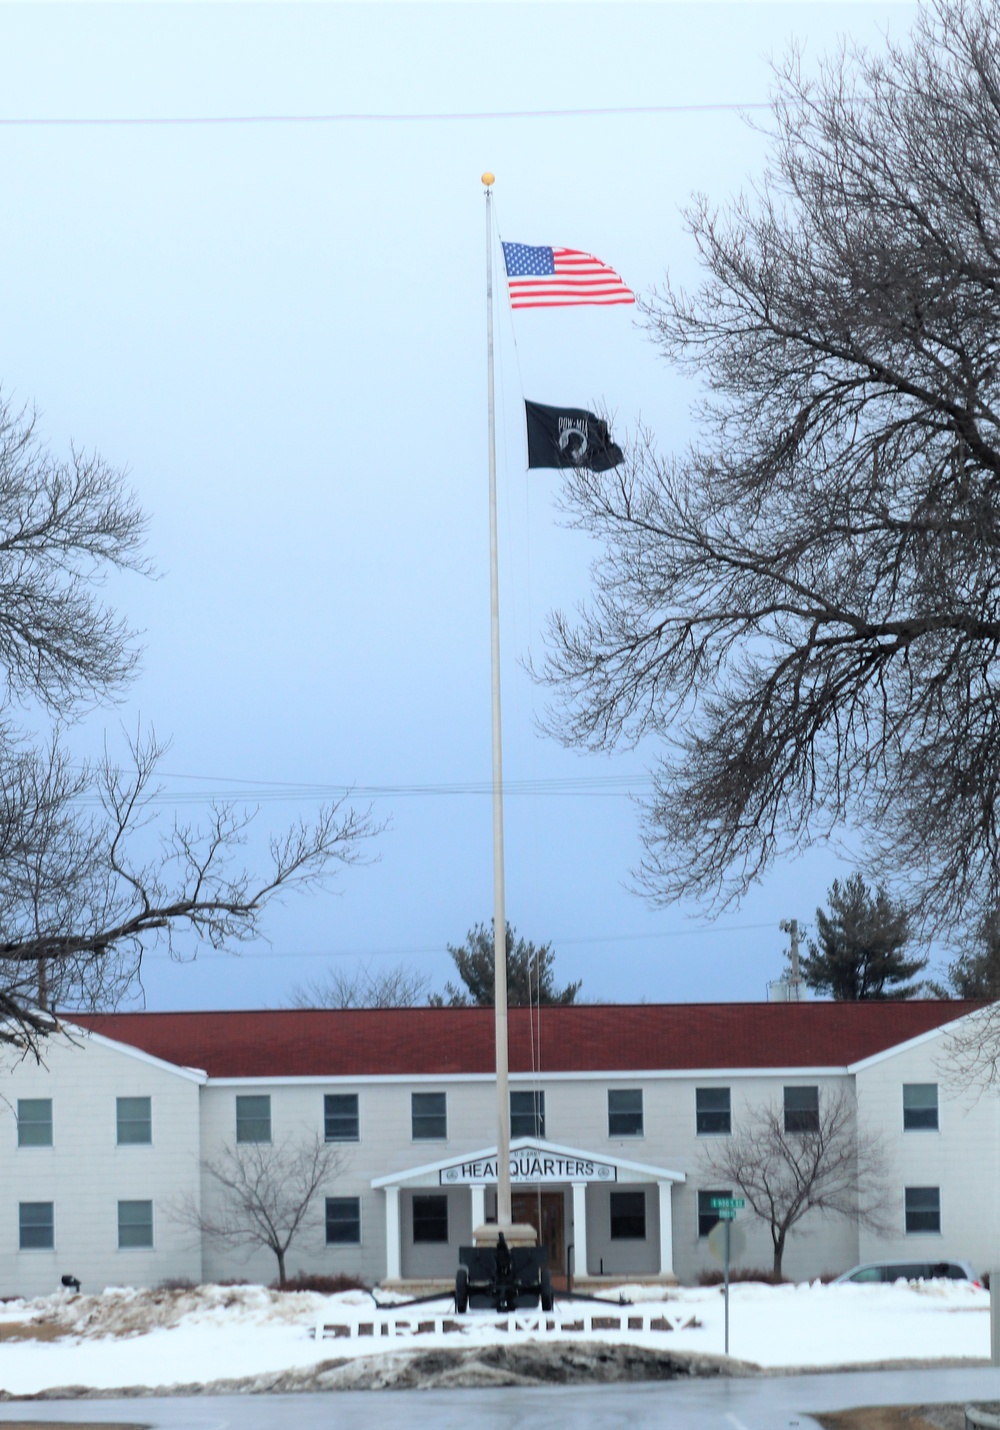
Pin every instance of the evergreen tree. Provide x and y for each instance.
(859, 952)
(530, 974)
(976, 971)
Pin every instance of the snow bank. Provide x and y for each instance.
(126, 1337)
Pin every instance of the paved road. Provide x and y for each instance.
(768, 1404)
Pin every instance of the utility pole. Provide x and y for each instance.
(791, 928)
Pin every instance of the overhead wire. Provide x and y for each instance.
(427, 949)
(262, 791)
(274, 792)
(111, 121)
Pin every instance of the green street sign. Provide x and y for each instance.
(727, 1204)
(727, 1214)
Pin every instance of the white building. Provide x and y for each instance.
(614, 1110)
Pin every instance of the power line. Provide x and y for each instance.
(422, 950)
(270, 792)
(362, 117)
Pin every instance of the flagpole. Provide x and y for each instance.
(504, 1212)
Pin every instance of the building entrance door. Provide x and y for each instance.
(545, 1211)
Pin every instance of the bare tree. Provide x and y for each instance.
(83, 891)
(804, 608)
(836, 1169)
(63, 526)
(363, 987)
(265, 1194)
(88, 874)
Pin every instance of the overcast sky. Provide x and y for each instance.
(279, 328)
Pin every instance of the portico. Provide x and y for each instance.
(597, 1216)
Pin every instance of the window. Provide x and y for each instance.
(429, 1116)
(628, 1216)
(707, 1217)
(135, 1225)
(920, 1107)
(430, 1219)
(801, 1109)
(923, 1209)
(135, 1121)
(37, 1227)
(712, 1111)
(527, 1114)
(253, 1119)
(340, 1117)
(34, 1122)
(625, 1112)
(867, 1274)
(343, 1221)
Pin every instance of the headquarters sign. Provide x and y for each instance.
(530, 1166)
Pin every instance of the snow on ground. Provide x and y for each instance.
(125, 1337)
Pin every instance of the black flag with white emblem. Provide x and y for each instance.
(569, 437)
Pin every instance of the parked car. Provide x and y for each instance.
(883, 1271)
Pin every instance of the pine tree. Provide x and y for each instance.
(530, 973)
(859, 952)
(976, 971)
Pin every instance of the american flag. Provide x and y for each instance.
(560, 277)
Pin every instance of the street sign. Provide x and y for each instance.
(727, 1213)
(719, 1204)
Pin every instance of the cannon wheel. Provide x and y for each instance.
(462, 1290)
(547, 1298)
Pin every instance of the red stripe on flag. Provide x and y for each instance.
(579, 278)
(575, 301)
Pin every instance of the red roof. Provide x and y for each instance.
(585, 1038)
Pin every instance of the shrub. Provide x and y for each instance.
(325, 1285)
(741, 1273)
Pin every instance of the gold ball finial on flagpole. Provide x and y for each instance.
(487, 178)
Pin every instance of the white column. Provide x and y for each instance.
(580, 1228)
(393, 1248)
(478, 1206)
(666, 1229)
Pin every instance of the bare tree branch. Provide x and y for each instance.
(62, 525)
(266, 1194)
(970, 1051)
(363, 987)
(838, 1169)
(88, 875)
(803, 610)
(83, 891)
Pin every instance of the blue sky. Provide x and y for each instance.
(278, 327)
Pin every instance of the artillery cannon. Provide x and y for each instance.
(503, 1278)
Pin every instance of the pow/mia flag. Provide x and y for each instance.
(569, 437)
